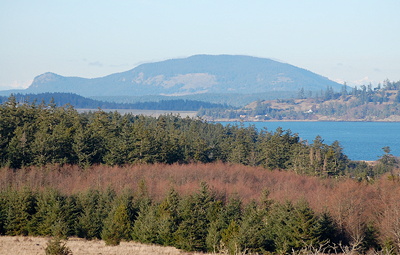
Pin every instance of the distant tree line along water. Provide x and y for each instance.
(63, 99)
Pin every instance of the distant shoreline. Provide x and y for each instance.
(392, 119)
(152, 113)
(193, 114)
(235, 120)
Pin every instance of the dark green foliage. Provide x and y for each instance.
(56, 247)
(294, 227)
(277, 148)
(157, 223)
(146, 227)
(196, 212)
(117, 226)
(231, 212)
(176, 105)
(3, 213)
(254, 234)
(387, 162)
(40, 135)
(119, 217)
(20, 209)
(326, 230)
(61, 99)
(168, 218)
(230, 238)
(54, 215)
(327, 160)
(213, 237)
(94, 207)
(370, 241)
(198, 222)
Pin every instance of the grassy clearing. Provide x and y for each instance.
(27, 245)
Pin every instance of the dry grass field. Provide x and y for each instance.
(26, 245)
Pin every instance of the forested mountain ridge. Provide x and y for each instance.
(358, 104)
(197, 74)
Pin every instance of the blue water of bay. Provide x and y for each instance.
(360, 140)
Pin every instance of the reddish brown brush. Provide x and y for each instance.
(352, 204)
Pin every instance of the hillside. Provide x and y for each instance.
(199, 74)
(364, 104)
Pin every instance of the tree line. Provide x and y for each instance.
(202, 221)
(62, 99)
(43, 134)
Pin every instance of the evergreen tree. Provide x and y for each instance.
(146, 227)
(55, 215)
(293, 227)
(277, 148)
(169, 217)
(120, 144)
(231, 212)
(195, 211)
(254, 235)
(117, 226)
(91, 215)
(230, 239)
(19, 151)
(57, 247)
(20, 209)
(3, 212)
(327, 231)
(213, 237)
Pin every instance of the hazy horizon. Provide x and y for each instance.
(345, 41)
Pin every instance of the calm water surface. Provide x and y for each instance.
(360, 140)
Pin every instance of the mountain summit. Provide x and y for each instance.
(197, 74)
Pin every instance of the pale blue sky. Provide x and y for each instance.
(344, 40)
